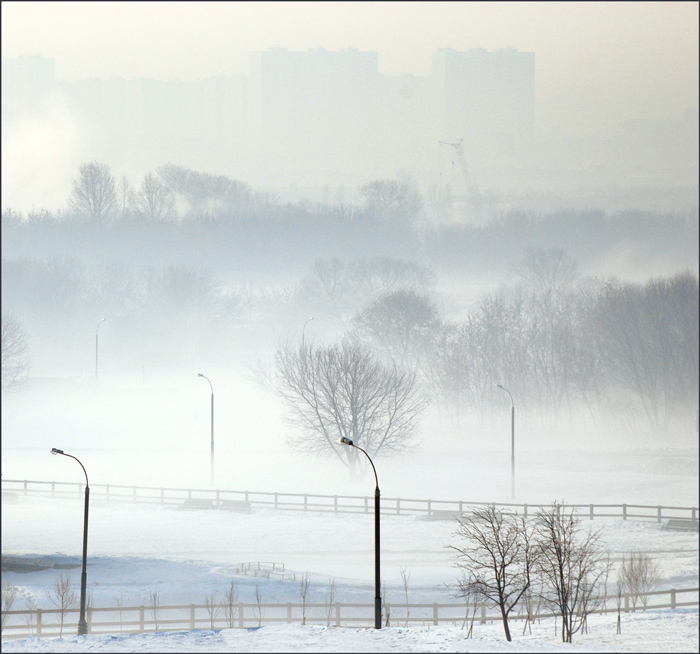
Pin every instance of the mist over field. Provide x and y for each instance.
(445, 220)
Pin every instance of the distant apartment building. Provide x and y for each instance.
(26, 80)
(316, 117)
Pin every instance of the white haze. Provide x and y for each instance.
(599, 68)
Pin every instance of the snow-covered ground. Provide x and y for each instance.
(652, 632)
(185, 555)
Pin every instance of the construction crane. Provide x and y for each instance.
(471, 189)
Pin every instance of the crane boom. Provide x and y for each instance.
(463, 165)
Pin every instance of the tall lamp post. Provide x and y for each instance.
(97, 332)
(212, 425)
(377, 594)
(304, 329)
(512, 442)
(82, 622)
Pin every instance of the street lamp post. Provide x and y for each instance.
(377, 593)
(512, 442)
(97, 331)
(212, 425)
(82, 622)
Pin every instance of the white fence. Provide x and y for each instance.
(138, 619)
(219, 499)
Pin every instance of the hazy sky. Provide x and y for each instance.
(597, 62)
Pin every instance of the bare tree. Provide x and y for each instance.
(154, 601)
(471, 596)
(212, 608)
(9, 597)
(548, 271)
(126, 197)
(619, 592)
(94, 196)
(400, 325)
(231, 603)
(15, 361)
(304, 587)
(155, 199)
(390, 199)
(343, 391)
(259, 603)
(405, 578)
(497, 559)
(648, 340)
(639, 575)
(386, 607)
(63, 597)
(330, 600)
(572, 566)
(119, 601)
(30, 608)
(339, 289)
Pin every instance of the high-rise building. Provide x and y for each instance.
(25, 81)
(484, 97)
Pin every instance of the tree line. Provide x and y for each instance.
(239, 228)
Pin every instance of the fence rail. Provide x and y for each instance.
(138, 619)
(431, 509)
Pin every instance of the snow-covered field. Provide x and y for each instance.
(185, 555)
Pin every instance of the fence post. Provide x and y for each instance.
(591, 512)
(482, 620)
(38, 622)
(673, 598)
(366, 510)
(335, 503)
(25, 486)
(53, 489)
(289, 613)
(398, 506)
(275, 500)
(240, 615)
(429, 508)
(337, 614)
(246, 496)
(693, 513)
(525, 510)
(624, 512)
(134, 494)
(217, 495)
(142, 623)
(460, 507)
(435, 613)
(191, 616)
(658, 514)
(627, 603)
(162, 496)
(306, 502)
(89, 619)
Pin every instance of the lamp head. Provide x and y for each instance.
(499, 386)
(55, 451)
(199, 374)
(345, 441)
